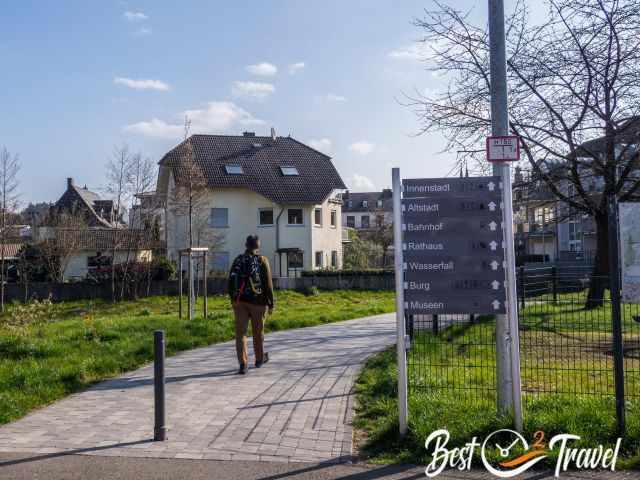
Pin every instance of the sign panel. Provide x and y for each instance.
(629, 220)
(453, 246)
(470, 207)
(503, 149)
(451, 305)
(452, 187)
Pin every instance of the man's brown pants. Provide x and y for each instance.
(256, 313)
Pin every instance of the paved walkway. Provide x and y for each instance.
(296, 408)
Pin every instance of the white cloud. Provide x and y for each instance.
(332, 97)
(414, 52)
(135, 16)
(296, 67)
(360, 182)
(217, 117)
(142, 84)
(255, 90)
(362, 147)
(264, 69)
(143, 31)
(322, 145)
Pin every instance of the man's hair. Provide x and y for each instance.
(252, 242)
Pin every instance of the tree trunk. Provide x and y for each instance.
(600, 274)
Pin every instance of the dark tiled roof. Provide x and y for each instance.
(627, 133)
(75, 197)
(103, 239)
(372, 198)
(261, 159)
(11, 250)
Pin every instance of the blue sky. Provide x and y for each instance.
(79, 77)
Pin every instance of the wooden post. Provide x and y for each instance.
(190, 286)
(204, 283)
(179, 284)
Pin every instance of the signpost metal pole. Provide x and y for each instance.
(616, 314)
(401, 331)
(507, 338)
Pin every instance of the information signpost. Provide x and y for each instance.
(453, 246)
(450, 243)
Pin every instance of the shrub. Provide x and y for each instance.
(34, 312)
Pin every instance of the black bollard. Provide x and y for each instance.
(160, 430)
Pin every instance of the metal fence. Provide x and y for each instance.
(566, 349)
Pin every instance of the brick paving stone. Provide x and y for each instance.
(298, 407)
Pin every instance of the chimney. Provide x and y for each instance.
(273, 134)
(345, 195)
(387, 193)
(69, 182)
(248, 134)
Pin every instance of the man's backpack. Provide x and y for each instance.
(246, 282)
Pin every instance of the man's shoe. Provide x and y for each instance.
(243, 370)
(265, 359)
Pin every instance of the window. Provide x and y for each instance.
(219, 217)
(334, 259)
(317, 216)
(351, 221)
(334, 218)
(380, 220)
(289, 171)
(295, 216)
(319, 259)
(219, 261)
(365, 204)
(350, 204)
(234, 169)
(379, 203)
(98, 261)
(364, 221)
(266, 216)
(295, 260)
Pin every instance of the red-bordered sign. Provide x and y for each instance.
(503, 149)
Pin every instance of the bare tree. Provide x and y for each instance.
(573, 78)
(189, 195)
(118, 172)
(140, 177)
(9, 168)
(62, 239)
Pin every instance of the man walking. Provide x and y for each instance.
(251, 292)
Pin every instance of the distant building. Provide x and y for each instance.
(96, 211)
(275, 187)
(367, 210)
(149, 213)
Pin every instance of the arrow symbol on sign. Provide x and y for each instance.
(493, 245)
(494, 265)
(492, 207)
(493, 226)
(495, 284)
(496, 304)
(492, 186)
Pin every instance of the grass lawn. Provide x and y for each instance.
(86, 341)
(563, 349)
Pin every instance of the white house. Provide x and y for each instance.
(275, 187)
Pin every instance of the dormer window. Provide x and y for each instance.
(289, 171)
(234, 169)
(365, 204)
(379, 203)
